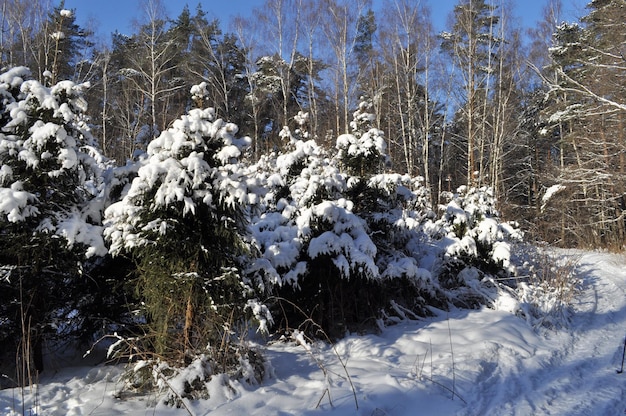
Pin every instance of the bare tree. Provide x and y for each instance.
(153, 62)
(213, 69)
(25, 25)
(505, 104)
(340, 26)
(408, 46)
(473, 44)
(311, 38)
(249, 45)
(281, 29)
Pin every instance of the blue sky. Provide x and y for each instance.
(111, 15)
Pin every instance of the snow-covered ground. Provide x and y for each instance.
(479, 362)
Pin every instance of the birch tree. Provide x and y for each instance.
(408, 47)
(152, 64)
(473, 44)
(340, 27)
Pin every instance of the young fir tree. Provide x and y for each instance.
(394, 207)
(363, 152)
(476, 247)
(181, 220)
(312, 247)
(50, 179)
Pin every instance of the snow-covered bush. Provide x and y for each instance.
(394, 208)
(182, 221)
(397, 212)
(51, 191)
(347, 244)
(51, 174)
(475, 246)
(307, 235)
(289, 184)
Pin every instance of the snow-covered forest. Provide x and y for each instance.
(181, 199)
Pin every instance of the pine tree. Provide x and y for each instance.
(70, 44)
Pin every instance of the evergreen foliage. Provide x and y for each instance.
(51, 187)
(334, 228)
(347, 249)
(363, 152)
(476, 247)
(329, 240)
(181, 220)
(70, 44)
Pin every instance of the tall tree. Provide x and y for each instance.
(531, 154)
(21, 21)
(152, 65)
(587, 114)
(48, 40)
(70, 43)
(316, 101)
(341, 28)
(503, 122)
(407, 47)
(218, 60)
(473, 44)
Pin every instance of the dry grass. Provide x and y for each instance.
(550, 288)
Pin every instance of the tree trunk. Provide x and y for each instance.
(189, 318)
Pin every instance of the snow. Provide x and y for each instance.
(13, 77)
(462, 362)
(65, 147)
(14, 203)
(76, 230)
(550, 192)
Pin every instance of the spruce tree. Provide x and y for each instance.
(181, 221)
(50, 183)
(313, 248)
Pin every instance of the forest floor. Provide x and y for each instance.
(462, 362)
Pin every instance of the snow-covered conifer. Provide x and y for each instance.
(51, 187)
(308, 235)
(362, 152)
(475, 245)
(181, 219)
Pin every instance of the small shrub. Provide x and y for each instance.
(546, 294)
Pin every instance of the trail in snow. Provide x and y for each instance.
(465, 363)
(575, 371)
